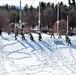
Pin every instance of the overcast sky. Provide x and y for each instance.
(29, 2)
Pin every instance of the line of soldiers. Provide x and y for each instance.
(68, 41)
(39, 37)
(52, 35)
(22, 34)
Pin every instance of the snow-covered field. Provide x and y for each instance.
(48, 57)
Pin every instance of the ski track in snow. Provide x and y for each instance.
(50, 56)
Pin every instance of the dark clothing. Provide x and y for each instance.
(52, 34)
(59, 36)
(31, 37)
(40, 37)
(16, 34)
(9, 32)
(0, 32)
(23, 38)
(22, 33)
(68, 40)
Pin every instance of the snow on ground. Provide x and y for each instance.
(48, 57)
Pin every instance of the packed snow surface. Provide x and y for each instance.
(51, 56)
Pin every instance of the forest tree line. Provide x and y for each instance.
(10, 14)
